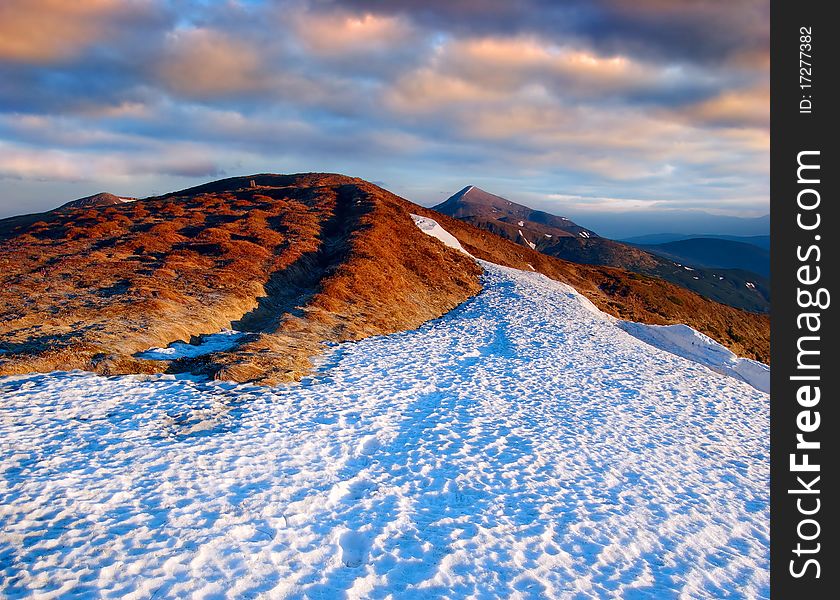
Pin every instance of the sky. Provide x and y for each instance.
(582, 107)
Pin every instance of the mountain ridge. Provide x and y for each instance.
(562, 238)
(291, 261)
(715, 253)
(482, 208)
(295, 262)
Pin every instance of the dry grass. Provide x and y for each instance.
(89, 288)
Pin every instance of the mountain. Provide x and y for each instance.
(560, 237)
(100, 199)
(252, 275)
(715, 253)
(290, 261)
(508, 219)
(762, 241)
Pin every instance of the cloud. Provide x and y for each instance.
(182, 160)
(43, 31)
(593, 203)
(699, 30)
(340, 33)
(205, 62)
(513, 62)
(511, 71)
(733, 108)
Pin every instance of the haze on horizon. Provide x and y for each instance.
(579, 108)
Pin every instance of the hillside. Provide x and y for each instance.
(560, 237)
(293, 261)
(290, 262)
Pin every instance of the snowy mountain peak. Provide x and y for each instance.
(100, 199)
(501, 216)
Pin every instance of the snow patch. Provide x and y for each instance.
(689, 343)
(531, 244)
(433, 228)
(352, 548)
(214, 342)
(368, 445)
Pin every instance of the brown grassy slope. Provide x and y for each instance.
(395, 278)
(88, 288)
(623, 294)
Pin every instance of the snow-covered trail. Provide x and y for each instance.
(520, 447)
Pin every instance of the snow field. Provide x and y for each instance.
(523, 446)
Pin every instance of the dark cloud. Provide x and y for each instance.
(694, 30)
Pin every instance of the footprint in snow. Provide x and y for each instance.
(352, 547)
(368, 445)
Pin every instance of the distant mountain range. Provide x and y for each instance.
(628, 224)
(715, 253)
(736, 285)
(762, 241)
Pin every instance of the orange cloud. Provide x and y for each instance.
(40, 31)
(336, 34)
(178, 159)
(738, 108)
(512, 60)
(205, 62)
(484, 69)
(427, 90)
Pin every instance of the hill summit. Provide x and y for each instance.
(290, 261)
(100, 199)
